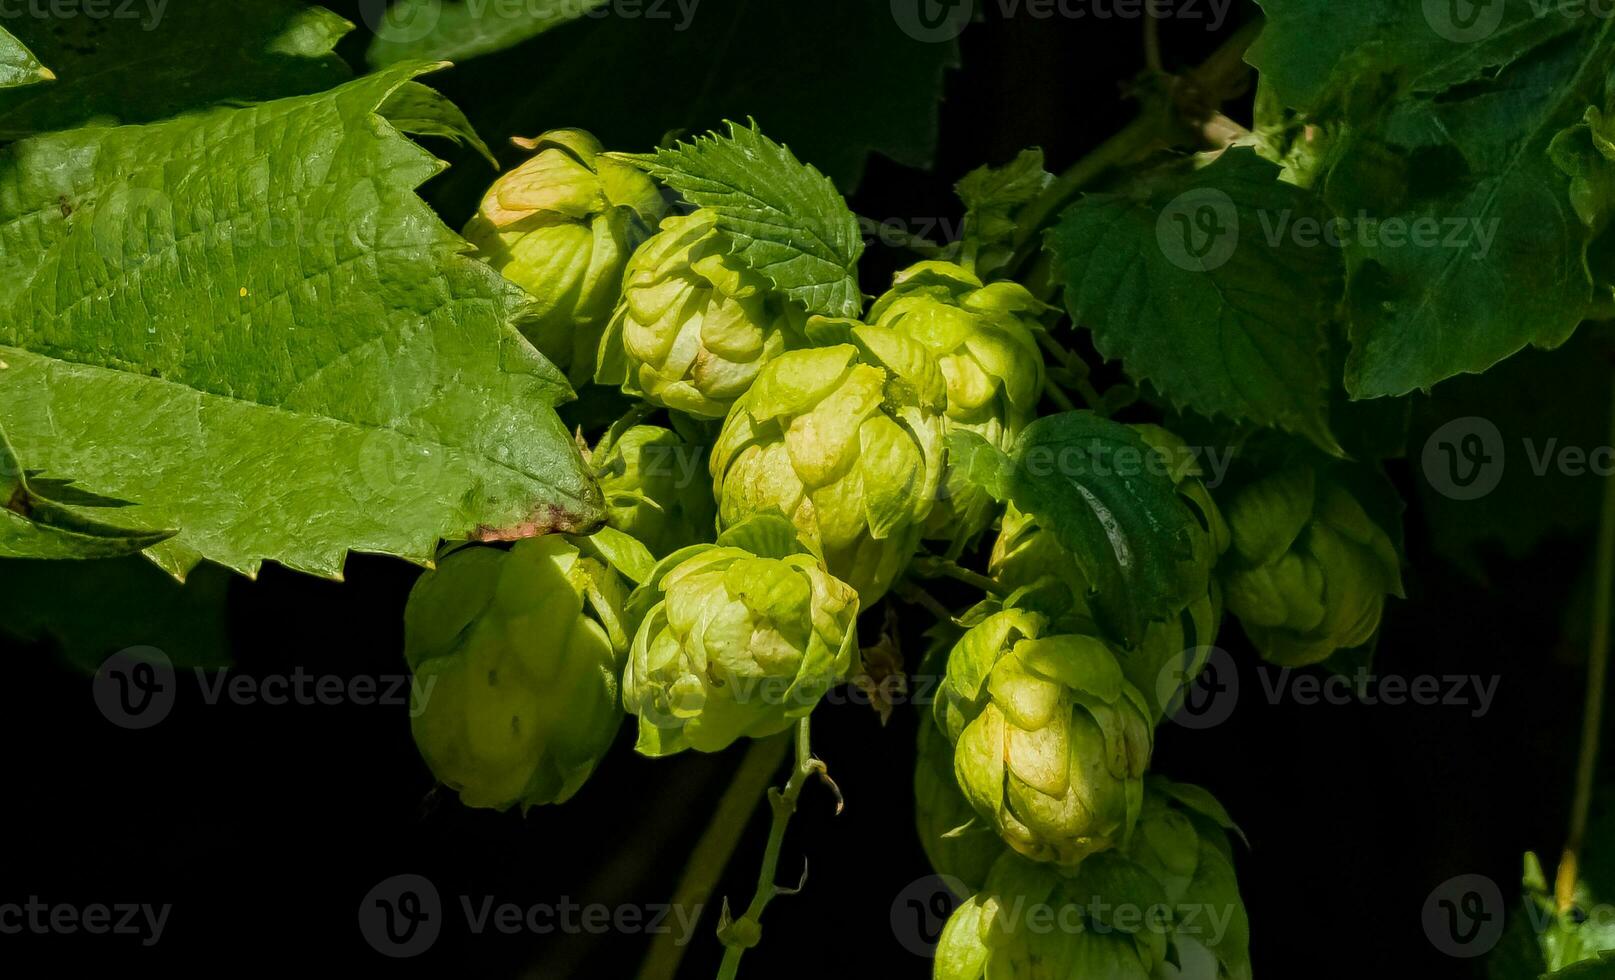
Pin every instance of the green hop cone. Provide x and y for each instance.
(1309, 570)
(1050, 740)
(1032, 922)
(984, 340)
(1166, 907)
(846, 441)
(736, 639)
(695, 324)
(656, 487)
(562, 226)
(959, 845)
(517, 654)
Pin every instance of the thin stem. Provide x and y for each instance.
(916, 596)
(933, 567)
(1592, 722)
(1152, 42)
(716, 847)
(742, 934)
(1078, 371)
(1058, 396)
(1212, 80)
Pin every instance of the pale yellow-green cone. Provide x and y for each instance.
(656, 487)
(736, 639)
(695, 325)
(1166, 908)
(1050, 740)
(983, 339)
(562, 226)
(847, 442)
(517, 654)
(1309, 570)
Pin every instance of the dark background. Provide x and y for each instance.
(265, 825)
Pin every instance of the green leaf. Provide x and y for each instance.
(246, 321)
(1088, 481)
(135, 602)
(430, 30)
(142, 66)
(422, 111)
(34, 526)
(1320, 54)
(992, 196)
(18, 66)
(1205, 285)
(1464, 244)
(633, 80)
(787, 219)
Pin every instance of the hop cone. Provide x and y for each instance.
(983, 339)
(518, 653)
(845, 441)
(562, 226)
(656, 487)
(695, 325)
(1309, 570)
(736, 639)
(1050, 740)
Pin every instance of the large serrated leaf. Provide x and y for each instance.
(788, 220)
(1505, 266)
(149, 61)
(247, 322)
(18, 66)
(430, 30)
(1089, 481)
(1198, 284)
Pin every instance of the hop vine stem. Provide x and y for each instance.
(743, 933)
(1592, 722)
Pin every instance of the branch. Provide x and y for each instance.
(743, 933)
(1592, 722)
(716, 847)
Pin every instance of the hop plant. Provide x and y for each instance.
(984, 341)
(656, 487)
(1309, 570)
(1050, 740)
(562, 226)
(736, 639)
(845, 440)
(695, 325)
(1170, 898)
(1173, 650)
(519, 654)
